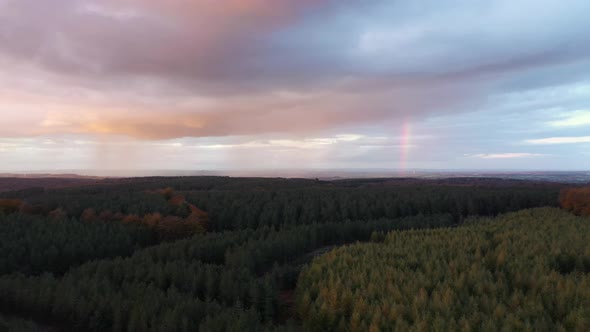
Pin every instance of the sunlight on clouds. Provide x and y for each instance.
(349, 137)
(560, 140)
(573, 119)
(48, 123)
(506, 155)
(232, 146)
(84, 142)
(173, 145)
(308, 143)
(311, 143)
(4, 147)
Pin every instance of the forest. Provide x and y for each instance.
(523, 271)
(242, 254)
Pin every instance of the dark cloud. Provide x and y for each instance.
(236, 44)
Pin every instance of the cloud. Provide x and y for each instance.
(573, 119)
(488, 74)
(506, 155)
(179, 40)
(307, 143)
(235, 46)
(276, 112)
(560, 140)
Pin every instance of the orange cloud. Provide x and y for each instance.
(251, 115)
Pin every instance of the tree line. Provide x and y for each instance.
(255, 208)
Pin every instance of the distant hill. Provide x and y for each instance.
(15, 181)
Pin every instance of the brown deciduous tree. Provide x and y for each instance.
(88, 215)
(576, 200)
(10, 205)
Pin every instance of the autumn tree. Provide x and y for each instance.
(576, 200)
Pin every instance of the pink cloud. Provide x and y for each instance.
(186, 116)
(136, 67)
(173, 39)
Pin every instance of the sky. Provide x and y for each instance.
(294, 84)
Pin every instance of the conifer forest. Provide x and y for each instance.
(275, 254)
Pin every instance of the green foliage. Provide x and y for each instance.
(521, 271)
(127, 200)
(334, 202)
(198, 280)
(21, 325)
(239, 203)
(77, 257)
(32, 245)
